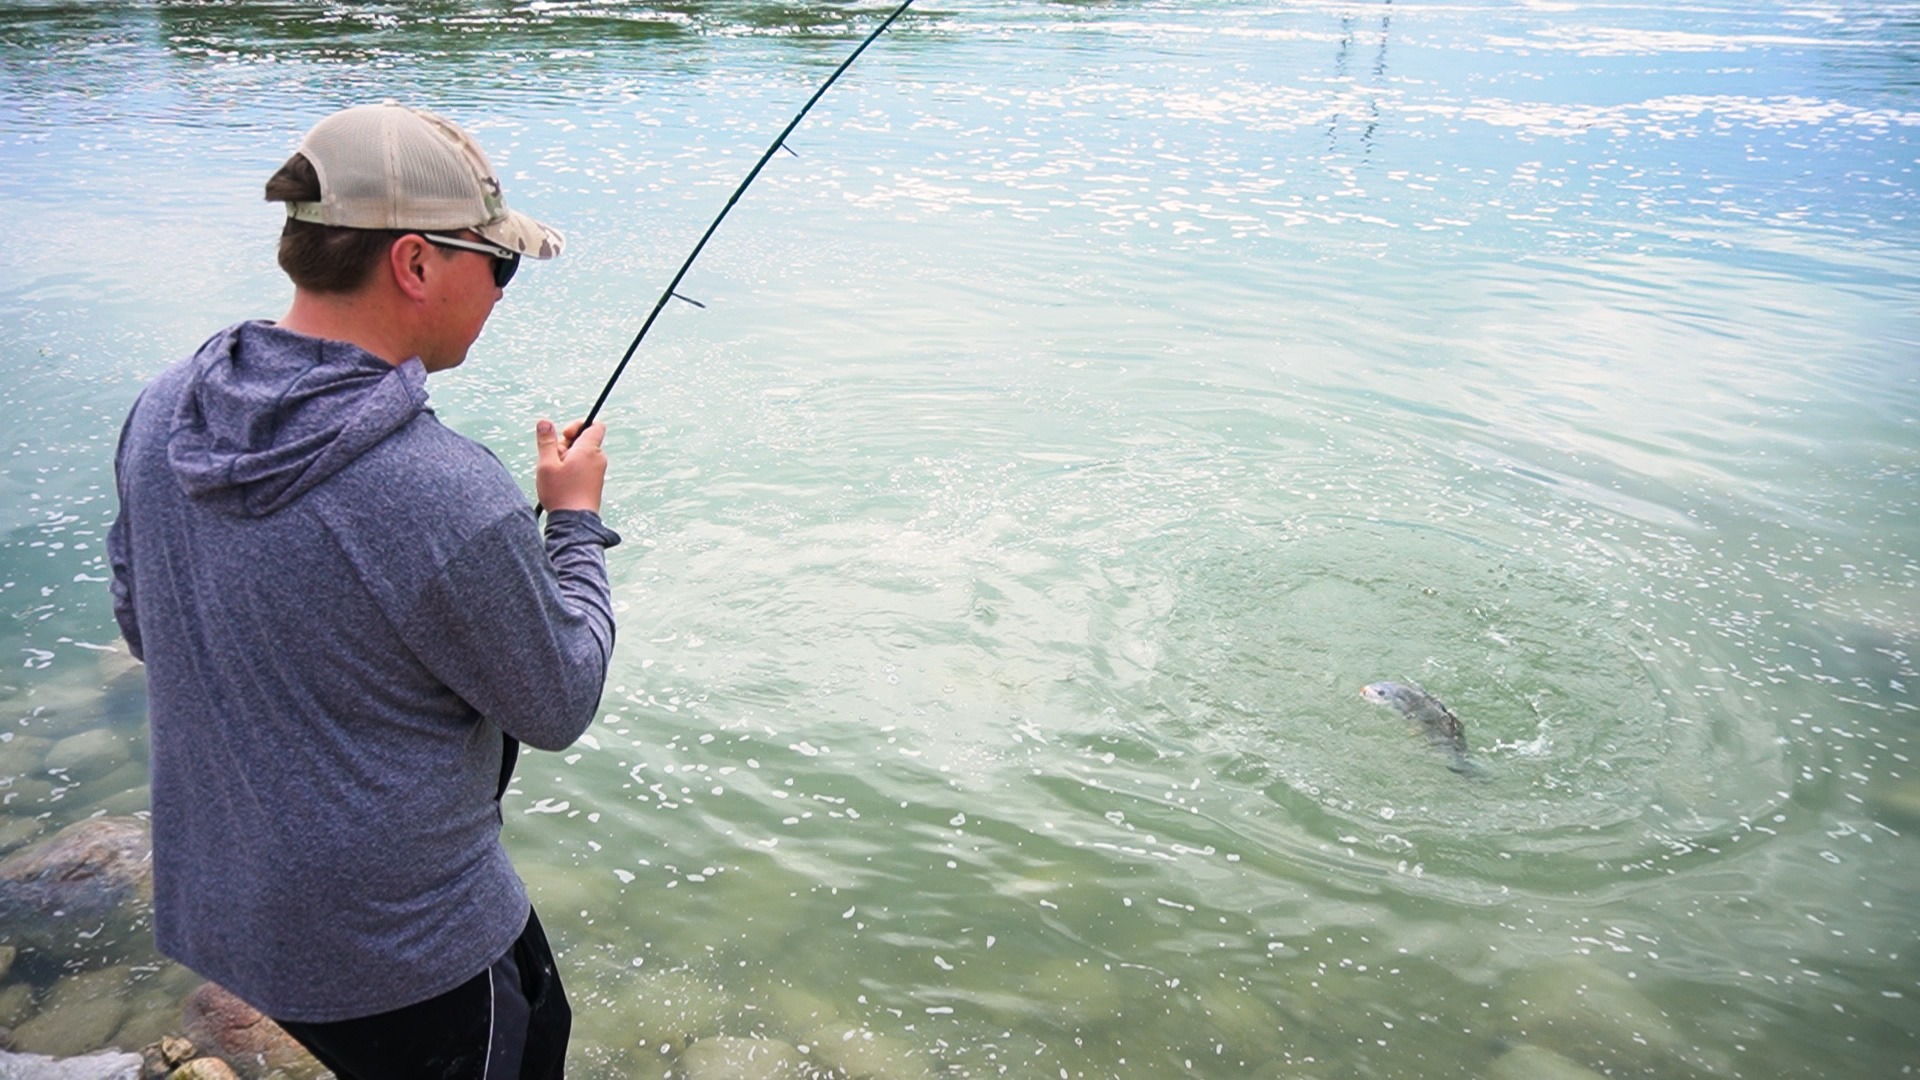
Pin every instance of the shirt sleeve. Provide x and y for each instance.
(521, 630)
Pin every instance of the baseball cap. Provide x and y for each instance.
(389, 166)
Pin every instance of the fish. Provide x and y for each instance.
(1442, 729)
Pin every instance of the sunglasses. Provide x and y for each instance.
(505, 260)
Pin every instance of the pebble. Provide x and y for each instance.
(206, 1068)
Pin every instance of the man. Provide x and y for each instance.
(348, 616)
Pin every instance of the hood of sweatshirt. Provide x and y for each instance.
(268, 414)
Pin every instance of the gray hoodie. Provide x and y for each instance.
(342, 606)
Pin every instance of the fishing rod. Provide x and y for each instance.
(779, 142)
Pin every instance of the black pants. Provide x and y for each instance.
(510, 1021)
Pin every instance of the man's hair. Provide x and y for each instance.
(323, 258)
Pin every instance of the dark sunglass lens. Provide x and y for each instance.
(503, 269)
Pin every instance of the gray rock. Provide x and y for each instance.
(92, 1067)
(82, 876)
(88, 755)
(725, 1058)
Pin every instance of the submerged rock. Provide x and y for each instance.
(725, 1058)
(19, 831)
(75, 879)
(1596, 1018)
(857, 1053)
(88, 755)
(220, 1023)
(1525, 1062)
(1897, 802)
(672, 1009)
(92, 1067)
(80, 1015)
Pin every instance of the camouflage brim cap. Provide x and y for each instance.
(388, 166)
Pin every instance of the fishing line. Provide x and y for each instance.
(779, 143)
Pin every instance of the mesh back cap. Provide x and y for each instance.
(388, 166)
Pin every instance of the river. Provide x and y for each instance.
(1097, 398)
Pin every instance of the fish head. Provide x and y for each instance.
(1383, 693)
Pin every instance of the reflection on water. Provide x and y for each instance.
(1100, 398)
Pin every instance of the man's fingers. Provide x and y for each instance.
(594, 436)
(547, 440)
(571, 433)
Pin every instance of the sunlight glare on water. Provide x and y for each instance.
(1097, 398)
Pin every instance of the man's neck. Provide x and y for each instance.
(356, 318)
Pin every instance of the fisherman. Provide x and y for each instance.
(350, 617)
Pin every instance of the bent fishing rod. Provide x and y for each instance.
(779, 142)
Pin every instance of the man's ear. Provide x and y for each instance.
(407, 264)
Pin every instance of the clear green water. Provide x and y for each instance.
(1102, 396)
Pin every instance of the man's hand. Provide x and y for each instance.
(572, 468)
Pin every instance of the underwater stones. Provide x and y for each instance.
(7, 956)
(673, 1009)
(1244, 1028)
(1076, 993)
(1584, 1012)
(24, 793)
(213, 1018)
(23, 754)
(17, 831)
(860, 1054)
(108, 1066)
(74, 880)
(88, 755)
(724, 1057)
(799, 1010)
(1897, 802)
(80, 1015)
(16, 1004)
(129, 801)
(1523, 1062)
